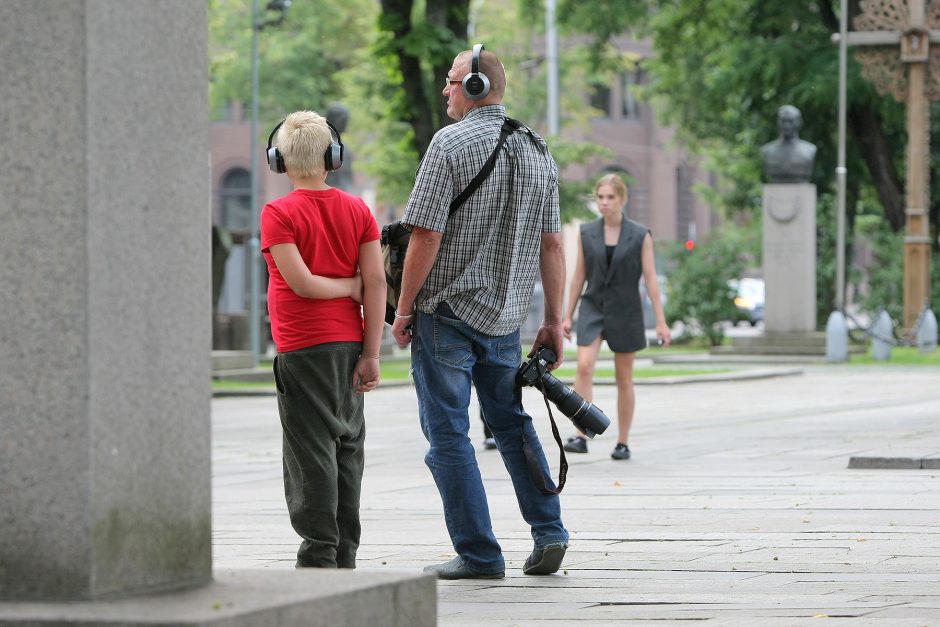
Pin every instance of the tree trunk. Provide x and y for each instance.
(865, 125)
(425, 109)
(452, 16)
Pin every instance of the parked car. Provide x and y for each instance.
(749, 300)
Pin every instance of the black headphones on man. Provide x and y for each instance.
(332, 160)
(476, 85)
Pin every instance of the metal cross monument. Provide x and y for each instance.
(911, 25)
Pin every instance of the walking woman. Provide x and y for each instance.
(612, 254)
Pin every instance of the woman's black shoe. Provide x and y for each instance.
(621, 451)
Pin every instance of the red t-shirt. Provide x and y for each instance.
(327, 226)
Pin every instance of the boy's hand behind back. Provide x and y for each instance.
(366, 374)
(357, 288)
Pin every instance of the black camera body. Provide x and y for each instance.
(586, 416)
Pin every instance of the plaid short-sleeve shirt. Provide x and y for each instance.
(485, 269)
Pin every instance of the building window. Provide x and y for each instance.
(236, 200)
(600, 99)
(628, 82)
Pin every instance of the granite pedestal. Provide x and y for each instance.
(105, 505)
(789, 245)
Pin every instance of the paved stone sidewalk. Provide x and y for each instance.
(738, 508)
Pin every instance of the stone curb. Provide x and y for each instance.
(929, 462)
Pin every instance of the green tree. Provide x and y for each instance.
(301, 60)
(723, 67)
(420, 40)
(720, 70)
(386, 62)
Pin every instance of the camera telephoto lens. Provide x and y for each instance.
(591, 420)
(586, 416)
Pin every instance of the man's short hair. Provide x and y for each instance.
(303, 140)
(494, 70)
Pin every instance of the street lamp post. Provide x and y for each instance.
(551, 54)
(254, 243)
(840, 166)
(837, 330)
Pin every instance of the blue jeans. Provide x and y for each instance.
(446, 356)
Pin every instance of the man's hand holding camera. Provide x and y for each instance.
(586, 416)
(550, 335)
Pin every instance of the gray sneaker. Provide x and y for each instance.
(545, 560)
(457, 569)
(621, 451)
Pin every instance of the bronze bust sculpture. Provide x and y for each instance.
(788, 159)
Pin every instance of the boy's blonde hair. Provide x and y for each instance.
(613, 180)
(303, 140)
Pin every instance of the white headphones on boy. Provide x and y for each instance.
(332, 159)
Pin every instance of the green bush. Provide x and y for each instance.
(886, 272)
(699, 293)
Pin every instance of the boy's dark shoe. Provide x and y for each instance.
(545, 560)
(457, 569)
(489, 444)
(621, 451)
(576, 444)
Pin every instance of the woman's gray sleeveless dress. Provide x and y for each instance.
(610, 305)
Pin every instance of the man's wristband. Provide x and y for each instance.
(368, 356)
(401, 317)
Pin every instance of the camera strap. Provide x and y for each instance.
(532, 460)
(509, 127)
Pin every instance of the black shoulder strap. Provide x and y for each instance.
(533, 461)
(509, 126)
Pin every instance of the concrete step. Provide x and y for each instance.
(796, 343)
(231, 360)
(265, 375)
(782, 339)
(768, 349)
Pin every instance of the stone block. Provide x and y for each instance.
(903, 463)
(255, 598)
(104, 456)
(931, 462)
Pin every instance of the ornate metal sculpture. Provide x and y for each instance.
(880, 64)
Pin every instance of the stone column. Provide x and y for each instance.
(104, 298)
(789, 257)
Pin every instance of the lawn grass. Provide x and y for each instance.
(900, 356)
(398, 370)
(394, 370)
(652, 372)
(236, 384)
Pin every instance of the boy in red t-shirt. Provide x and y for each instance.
(322, 250)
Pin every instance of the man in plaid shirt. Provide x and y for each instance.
(467, 284)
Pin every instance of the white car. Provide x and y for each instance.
(749, 300)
